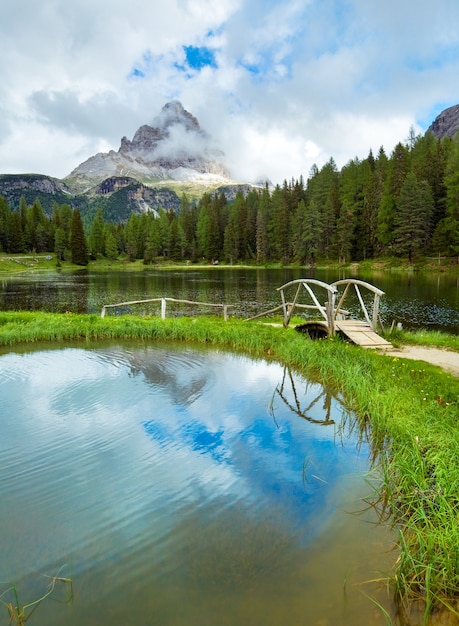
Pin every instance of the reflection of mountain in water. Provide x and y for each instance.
(182, 374)
(233, 429)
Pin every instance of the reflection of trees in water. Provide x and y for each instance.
(63, 293)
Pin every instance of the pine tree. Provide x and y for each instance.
(446, 235)
(209, 227)
(96, 234)
(111, 249)
(59, 243)
(262, 233)
(15, 235)
(187, 218)
(4, 223)
(152, 243)
(323, 189)
(412, 220)
(78, 247)
(399, 166)
(131, 231)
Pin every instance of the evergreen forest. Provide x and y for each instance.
(402, 205)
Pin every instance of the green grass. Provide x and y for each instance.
(433, 339)
(412, 409)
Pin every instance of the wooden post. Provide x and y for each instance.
(163, 308)
(330, 312)
(225, 312)
(375, 311)
(102, 314)
(284, 306)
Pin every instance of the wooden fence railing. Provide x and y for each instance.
(164, 302)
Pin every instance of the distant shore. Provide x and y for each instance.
(10, 263)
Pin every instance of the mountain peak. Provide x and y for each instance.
(174, 113)
(173, 122)
(174, 147)
(446, 124)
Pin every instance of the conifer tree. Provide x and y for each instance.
(111, 249)
(131, 231)
(399, 166)
(446, 235)
(78, 247)
(96, 234)
(262, 225)
(4, 223)
(59, 243)
(15, 235)
(412, 219)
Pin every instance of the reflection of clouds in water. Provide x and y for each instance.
(188, 422)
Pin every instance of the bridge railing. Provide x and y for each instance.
(326, 310)
(332, 309)
(356, 283)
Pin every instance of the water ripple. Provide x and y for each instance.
(155, 468)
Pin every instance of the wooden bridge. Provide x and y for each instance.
(332, 317)
(329, 318)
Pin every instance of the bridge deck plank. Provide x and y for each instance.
(362, 334)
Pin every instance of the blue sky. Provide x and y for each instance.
(279, 84)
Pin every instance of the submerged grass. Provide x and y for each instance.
(20, 613)
(412, 409)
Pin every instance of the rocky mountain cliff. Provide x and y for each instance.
(174, 148)
(149, 172)
(446, 124)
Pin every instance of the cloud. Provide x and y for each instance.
(100, 115)
(265, 78)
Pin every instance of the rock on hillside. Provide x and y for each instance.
(173, 148)
(446, 124)
(33, 186)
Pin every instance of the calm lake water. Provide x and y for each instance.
(415, 300)
(184, 486)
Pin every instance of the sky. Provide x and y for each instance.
(280, 85)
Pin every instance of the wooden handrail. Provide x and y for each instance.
(163, 305)
(326, 311)
(373, 322)
(356, 281)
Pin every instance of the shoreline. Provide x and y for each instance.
(10, 263)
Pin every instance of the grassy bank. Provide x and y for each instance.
(44, 262)
(431, 338)
(412, 408)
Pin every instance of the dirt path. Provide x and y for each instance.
(446, 359)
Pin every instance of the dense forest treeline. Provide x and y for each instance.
(405, 204)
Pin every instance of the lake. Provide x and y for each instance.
(416, 300)
(184, 486)
(181, 485)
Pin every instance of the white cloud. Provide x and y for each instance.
(290, 74)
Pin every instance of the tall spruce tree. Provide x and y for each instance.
(446, 236)
(4, 222)
(399, 166)
(413, 217)
(96, 234)
(78, 247)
